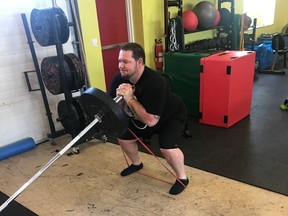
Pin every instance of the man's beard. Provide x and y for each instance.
(126, 76)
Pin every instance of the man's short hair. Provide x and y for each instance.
(137, 50)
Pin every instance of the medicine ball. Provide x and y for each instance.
(206, 14)
(190, 21)
(225, 17)
(217, 20)
(247, 22)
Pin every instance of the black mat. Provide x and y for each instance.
(14, 208)
(255, 150)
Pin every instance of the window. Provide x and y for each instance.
(263, 10)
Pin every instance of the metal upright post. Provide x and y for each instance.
(62, 71)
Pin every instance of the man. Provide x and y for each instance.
(153, 108)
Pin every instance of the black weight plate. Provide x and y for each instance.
(71, 124)
(74, 75)
(63, 21)
(84, 120)
(50, 71)
(114, 121)
(78, 75)
(43, 26)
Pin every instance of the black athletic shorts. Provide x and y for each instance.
(169, 132)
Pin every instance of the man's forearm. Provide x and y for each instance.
(142, 114)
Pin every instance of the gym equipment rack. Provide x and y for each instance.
(231, 44)
(62, 71)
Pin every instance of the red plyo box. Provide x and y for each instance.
(226, 84)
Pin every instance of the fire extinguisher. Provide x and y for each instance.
(158, 54)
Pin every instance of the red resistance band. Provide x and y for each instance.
(146, 147)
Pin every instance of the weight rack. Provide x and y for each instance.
(62, 71)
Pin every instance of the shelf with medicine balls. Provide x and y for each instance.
(204, 16)
(60, 74)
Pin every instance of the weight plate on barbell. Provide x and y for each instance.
(113, 121)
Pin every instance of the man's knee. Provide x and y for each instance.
(126, 142)
(167, 152)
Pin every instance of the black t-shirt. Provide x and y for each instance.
(154, 95)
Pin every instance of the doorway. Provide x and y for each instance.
(115, 29)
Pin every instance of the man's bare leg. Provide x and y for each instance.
(130, 148)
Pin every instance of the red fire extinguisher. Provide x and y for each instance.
(158, 54)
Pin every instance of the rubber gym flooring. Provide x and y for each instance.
(254, 150)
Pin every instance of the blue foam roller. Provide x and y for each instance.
(17, 147)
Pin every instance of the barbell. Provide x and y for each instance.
(104, 111)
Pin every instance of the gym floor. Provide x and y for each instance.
(89, 184)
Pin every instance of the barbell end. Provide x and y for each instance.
(3, 206)
(100, 114)
(94, 101)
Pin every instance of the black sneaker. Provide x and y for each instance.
(177, 188)
(131, 169)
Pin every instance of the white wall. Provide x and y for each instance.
(22, 113)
